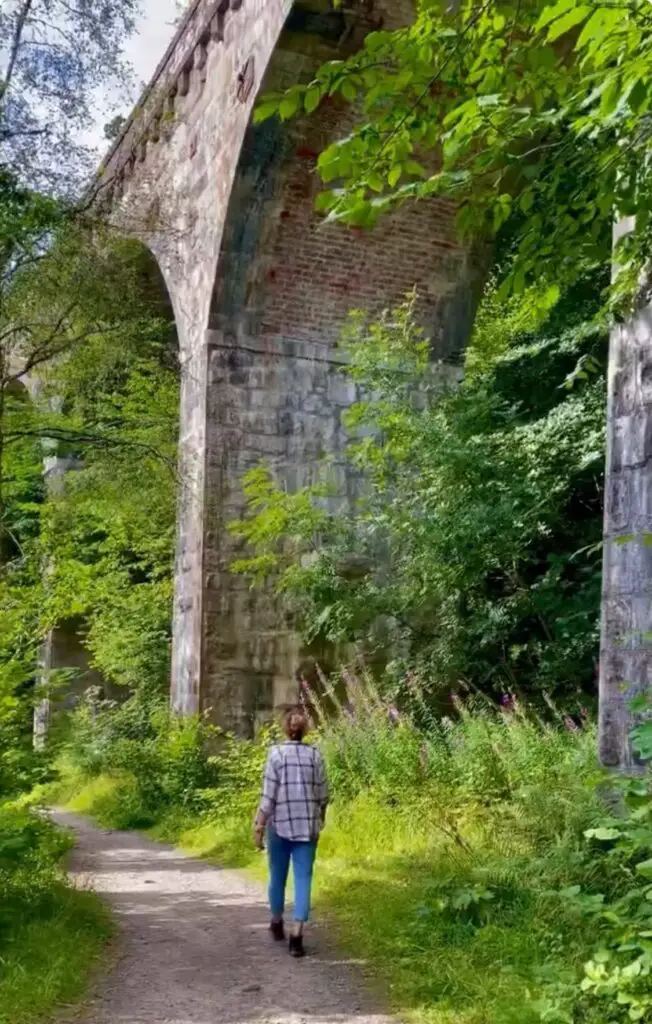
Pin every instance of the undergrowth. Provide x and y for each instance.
(454, 859)
(50, 934)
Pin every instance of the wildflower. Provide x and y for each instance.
(570, 724)
(393, 714)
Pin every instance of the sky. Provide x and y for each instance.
(144, 50)
(155, 30)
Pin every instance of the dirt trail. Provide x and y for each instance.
(194, 946)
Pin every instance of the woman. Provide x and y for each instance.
(293, 810)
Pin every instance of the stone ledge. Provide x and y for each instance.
(202, 26)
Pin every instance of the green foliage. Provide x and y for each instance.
(108, 401)
(500, 320)
(159, 766)
(109, 536)
(533, 115)
(25, 217)
(480, 517)
(49, 933)
(238, 769)
(297, 518)
(159, 762)
(617, 977)
(30, 851)
(75, 311)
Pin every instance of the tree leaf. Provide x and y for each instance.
(553, 12)
(603, 835)
(348, 90)
(289, 105)
(601, 22)
(312, 98)
(645, 868)
(489, 101)
(637, 96)
(265, 110)
(610, 96)
(568, 21)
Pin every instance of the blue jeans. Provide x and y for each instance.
(280, 852)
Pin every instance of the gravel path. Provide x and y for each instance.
(194, 946)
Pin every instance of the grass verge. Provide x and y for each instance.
(47, 963)
(51, 935)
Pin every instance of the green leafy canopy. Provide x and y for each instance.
(474, 536)
(525, 111)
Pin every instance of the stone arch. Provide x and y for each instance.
(284, 285)
(259, 292)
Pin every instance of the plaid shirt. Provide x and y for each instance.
(295, 791)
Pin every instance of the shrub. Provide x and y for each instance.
(617, 981)
(30, 850)
(478, 520)
(157, 760)
(50, 932)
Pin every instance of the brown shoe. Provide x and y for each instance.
(296, 946)
(277, 930)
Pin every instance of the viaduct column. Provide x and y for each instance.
(260, 289)
(275, 392)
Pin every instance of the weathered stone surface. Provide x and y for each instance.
(626, 631)
(260, 287)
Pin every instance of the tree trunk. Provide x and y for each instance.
(626, 626)
(43, 708)
(4, 535)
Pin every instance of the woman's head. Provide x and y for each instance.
(295, 723)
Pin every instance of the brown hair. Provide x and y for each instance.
(295, 723)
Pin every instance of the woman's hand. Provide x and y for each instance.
(259, 835)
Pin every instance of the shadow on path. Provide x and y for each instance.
(194, 945)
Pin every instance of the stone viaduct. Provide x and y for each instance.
(259, 286)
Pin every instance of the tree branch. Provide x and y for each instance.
(100, 441)
(14, 50)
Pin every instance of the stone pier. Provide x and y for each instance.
(260, 287)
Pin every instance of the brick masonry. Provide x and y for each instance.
(260, 287)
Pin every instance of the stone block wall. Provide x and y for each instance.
(285, 284)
